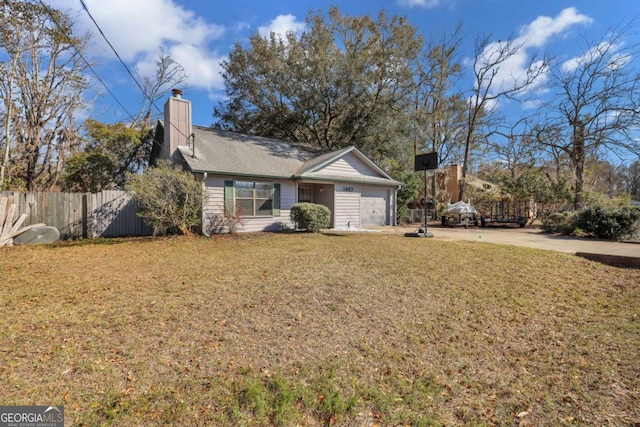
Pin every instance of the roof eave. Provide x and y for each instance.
(384, 182)
(249, 175)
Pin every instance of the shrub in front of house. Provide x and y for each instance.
(226, 222)
(171, 198)
(310, 216)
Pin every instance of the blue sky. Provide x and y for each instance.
(199, 34)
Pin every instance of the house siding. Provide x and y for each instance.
(214, 187)
(350, 205)
(349, 165)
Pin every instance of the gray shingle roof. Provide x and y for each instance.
(225, 152)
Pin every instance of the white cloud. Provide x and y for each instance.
(532, 104)
(531, 38)
(542, 28)
(603, 51)
(420, 3)
(281, 25)
(573, 63)
(138, 29)
(202, 66)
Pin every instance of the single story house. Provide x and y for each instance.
(260, 178)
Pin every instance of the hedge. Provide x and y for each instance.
(310, 216)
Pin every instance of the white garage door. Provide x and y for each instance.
(373, 206)
(347, 210)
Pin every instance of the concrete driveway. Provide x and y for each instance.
(625, 254)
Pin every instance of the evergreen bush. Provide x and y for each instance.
(609, 222)
(171, 198)
(602, 221)
(310, 216)
(559, 222)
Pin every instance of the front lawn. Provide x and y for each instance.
(318, 329)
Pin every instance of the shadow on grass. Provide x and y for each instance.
(612, 260)
(333, 234)
(110, 241)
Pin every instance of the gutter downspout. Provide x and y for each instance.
(395, 205)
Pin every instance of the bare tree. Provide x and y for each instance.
(8, 95)
(41, 86)
(631, 179)
(489, 64)
(439, 116)
(603, 177)
(438, 110)
(168, 74)
(515, 148)
(597, 104)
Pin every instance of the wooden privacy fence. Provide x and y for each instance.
(110, 213)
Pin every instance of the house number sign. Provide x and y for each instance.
(347, 189)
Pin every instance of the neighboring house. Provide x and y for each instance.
(260, 179)
(450, 182)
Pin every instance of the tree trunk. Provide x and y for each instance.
(579, 160)
(7, 125)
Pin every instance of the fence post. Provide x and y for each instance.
(85, 214)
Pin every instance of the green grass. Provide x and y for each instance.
(316, 330)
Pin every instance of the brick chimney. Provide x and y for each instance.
(177, 123)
